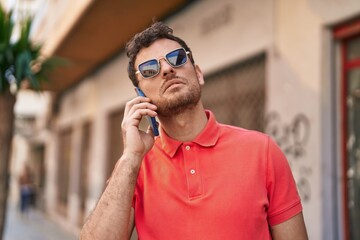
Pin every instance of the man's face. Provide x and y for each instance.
(174, 89)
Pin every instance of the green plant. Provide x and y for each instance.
(20, 60)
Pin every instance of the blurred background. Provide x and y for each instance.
(287, 68)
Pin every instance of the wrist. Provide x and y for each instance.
(132, 156)
(132, 159)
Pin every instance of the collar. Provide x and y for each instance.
(207, 137)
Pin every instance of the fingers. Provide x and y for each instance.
(136, 108)
(139, 107)
(134, 101)
(139, 103)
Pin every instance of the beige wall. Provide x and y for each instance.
(298, 65)
(294, 76)
(93, 100)
(223, 32)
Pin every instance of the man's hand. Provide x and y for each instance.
(137, 142)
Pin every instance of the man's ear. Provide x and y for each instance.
(199, 74)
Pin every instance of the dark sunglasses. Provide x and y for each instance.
(151, 68)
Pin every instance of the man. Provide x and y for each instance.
(199, 179)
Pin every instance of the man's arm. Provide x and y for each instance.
(113, 216)
(293, 229)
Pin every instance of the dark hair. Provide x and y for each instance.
(156, 31)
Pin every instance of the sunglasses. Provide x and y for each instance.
(151, 68)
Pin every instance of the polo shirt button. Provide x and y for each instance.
(192, 171)
(187, 147)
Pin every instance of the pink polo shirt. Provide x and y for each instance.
(228, 183)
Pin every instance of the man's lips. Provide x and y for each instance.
(172, 82)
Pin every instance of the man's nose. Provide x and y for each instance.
(165, 68)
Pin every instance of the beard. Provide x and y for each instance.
(179, 102)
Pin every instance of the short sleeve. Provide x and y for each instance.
(284, 200)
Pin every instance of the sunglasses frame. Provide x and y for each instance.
(164, 57)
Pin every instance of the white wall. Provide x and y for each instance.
(294, 83)
(223, 32)
(298, 64)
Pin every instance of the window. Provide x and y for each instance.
(236, 95)
(64, 170)
(115, 144)
(84, 169)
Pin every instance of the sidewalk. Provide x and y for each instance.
(34, 226)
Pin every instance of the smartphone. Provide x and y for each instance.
(151, 120)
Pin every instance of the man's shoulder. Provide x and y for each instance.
(245, 137)
(241, 132)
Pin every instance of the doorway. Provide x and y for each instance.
(349, 40)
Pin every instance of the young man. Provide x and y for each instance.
(199, 179)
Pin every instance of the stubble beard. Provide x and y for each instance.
(168, 107)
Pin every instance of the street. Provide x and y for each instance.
(33, 226)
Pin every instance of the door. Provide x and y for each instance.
(349, 36)
(352, 131)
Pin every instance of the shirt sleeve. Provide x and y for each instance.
(284, 200)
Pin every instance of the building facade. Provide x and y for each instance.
(287, 68)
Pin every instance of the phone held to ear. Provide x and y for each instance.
(151, 120)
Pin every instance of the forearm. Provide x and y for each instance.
(111, 218)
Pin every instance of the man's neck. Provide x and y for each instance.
(186, 125)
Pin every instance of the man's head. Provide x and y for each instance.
(159, 64)
(144, 39)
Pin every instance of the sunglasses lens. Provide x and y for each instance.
(177, 58)
(149, 68)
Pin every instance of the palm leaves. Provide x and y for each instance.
(20, 59)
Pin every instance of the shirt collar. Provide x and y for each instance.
(207, 137)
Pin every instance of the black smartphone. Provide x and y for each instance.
(151, 120)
